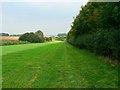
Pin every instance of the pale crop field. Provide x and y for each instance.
(8, 38)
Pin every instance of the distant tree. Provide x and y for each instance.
(30, 37)
(15, 34)
(40, 34)
(61, 36)
(4, 34)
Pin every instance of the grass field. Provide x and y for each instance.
(55, 65)
(22, 47)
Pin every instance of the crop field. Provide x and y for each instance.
(11, 40)
(55, 65)
(8, 38)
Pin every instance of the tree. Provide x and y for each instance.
(4, 34)
(61, 36)
(30, 37)
(40, 34)
(97, 28)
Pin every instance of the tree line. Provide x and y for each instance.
(4, 34)
(97, 29)
(37, 37)
(61, 36)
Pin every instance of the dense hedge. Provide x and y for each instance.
(96, 28)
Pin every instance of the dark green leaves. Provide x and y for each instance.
(97, 29)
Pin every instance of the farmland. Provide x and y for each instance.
(8, 38)
(55, 65)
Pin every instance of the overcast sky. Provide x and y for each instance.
(50, 17)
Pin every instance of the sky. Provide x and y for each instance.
(49, 17)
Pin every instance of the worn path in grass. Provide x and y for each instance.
(55, 65)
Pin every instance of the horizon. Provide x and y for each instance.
(49, 17)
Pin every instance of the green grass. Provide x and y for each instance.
(55, 65)
(21, 47)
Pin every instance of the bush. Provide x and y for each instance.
(30, 37)
(40, 34)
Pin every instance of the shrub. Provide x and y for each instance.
(40, 34)
(30, 37)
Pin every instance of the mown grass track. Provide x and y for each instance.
(55, 65)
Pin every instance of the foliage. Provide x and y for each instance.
(97, 29)
(40, 34)
(4, 34)
(30, 37)
(61, 36)
(15, 34)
